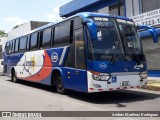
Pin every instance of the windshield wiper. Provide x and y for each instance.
(113, 59)
(117, 42)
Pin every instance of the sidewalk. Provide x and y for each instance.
(153, 83)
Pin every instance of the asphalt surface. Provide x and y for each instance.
(26, 96)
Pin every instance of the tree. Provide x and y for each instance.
(2, 33)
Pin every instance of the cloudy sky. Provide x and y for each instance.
(15, 12)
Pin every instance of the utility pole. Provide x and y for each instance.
(118, 3)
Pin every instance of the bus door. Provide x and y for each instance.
(79, 78)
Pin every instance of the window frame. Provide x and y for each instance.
(16, 50)
(43, 43)
(35, 47)
(23, 50)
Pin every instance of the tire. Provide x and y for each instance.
(13, 77)
(59, 85)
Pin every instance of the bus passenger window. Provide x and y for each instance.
(23, 44)
(56, 36)
(12, 46)
(33, 44)
(46, 38)
(7, 48)
(28, 42)
(64, 33)
(16, 45)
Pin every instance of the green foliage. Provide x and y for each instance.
(2, 33)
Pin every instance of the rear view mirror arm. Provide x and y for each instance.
(151, 30)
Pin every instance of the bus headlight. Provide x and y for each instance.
(96, 77)
(143, 75)
(101, 76)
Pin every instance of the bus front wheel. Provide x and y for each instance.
(59, 85)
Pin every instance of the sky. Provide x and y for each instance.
(15, 12)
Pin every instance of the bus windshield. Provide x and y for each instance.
(112, 35)
(130, 37)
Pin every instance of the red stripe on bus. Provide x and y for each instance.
(44, 72)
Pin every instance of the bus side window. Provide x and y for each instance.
(79, 49)
(12, 46)
(64, 33)
(34, 43)
(78, 23)
(46, 39)
(16, 45)
(23, 42)
(28, 43)
(7, 48)
(56, 36)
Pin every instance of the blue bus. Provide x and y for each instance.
(88, 52)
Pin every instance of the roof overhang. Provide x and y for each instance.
(77, 6)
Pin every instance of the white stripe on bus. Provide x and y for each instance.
(62, 56)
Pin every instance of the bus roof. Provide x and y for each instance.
(82, 15)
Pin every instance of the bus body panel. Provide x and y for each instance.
(75, 79)
(120, 66)
(115, 82)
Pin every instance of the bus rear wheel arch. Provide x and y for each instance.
(57, 82)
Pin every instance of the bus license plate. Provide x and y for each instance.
(125, 83)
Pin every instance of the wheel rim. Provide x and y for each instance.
(59, 83)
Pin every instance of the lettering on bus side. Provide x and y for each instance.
(30, 63)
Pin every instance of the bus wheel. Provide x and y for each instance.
(59, 85)
(13, 77)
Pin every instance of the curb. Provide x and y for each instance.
(153, 84)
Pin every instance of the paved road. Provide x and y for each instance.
(25, 96)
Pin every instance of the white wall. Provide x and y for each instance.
(132, 8)
(104, 10)
(3, 42)
(19, 31)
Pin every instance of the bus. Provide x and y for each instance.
(87, 52)
(1, 58)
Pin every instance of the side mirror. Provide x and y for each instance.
(151, 30)
(91, 27)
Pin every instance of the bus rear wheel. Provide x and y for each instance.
(13, 77)
(59, 85)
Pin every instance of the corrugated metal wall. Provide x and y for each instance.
(152, 52)
(149, 5)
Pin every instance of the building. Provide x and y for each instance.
(22, 29)
(143, 12)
